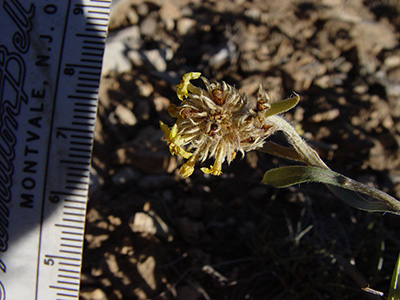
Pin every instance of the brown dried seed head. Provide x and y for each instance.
(262, 105)
(218, 96)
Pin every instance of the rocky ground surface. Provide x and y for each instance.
(153, 235)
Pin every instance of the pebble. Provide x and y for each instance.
(149, 223)
(161, 103)
(146, 269)
(149, 26)
(184, 25)
(117, 45)
(125, 115)
(158, 58)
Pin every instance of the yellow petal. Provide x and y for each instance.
(186, 170)
(213, 170)
(164, 128)
(182, 88)
(173, 133)
(177, 150)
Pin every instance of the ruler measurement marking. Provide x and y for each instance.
(87, 79)
(69, 226)
(96, 30)
(63, 288)
(67, 282)
(83, 117)
(75, 162)
(68, 194)
(96, 24)
(74, 208)
(88, 85)
(75, 201)
(97, 18)
(85, 105)
(78, 169)
(79, 155)
(66, 295)
(71, 246)
(99, 12)
(98, 61)
(83, 149)
(75, 188)
(83, 124)
(72, 240)
(78, 175)
(82, 137)
(85, 111)
(71, 252)
(93, 48)
(83, 66)
(93, 42)
(74, 129)
(93, 54)
(70, 264)
(68, 271)
(77, 182)
(94, 36)
(68, 276)
(90, 73)
(92, 6)
(72, 233)
(81, 144)
(74, 214)
(83, 91)
(63, 257)
(73, 221)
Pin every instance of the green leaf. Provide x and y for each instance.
(282, 106)
(394, 291)
(343, 187)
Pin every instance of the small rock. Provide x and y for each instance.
(125, 115)
(114, 58)
(158, 58)
(117, 45)
(142, 9)
(325, 116)
(145, 89)
(149, 26)
(136, 57)
(161, 103)
(149, 223)
(122, 14)
(146, 270)
(97, 294)
(185, 25)
(220, 58)
(170, 12)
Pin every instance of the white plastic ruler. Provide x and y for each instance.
(50, 63)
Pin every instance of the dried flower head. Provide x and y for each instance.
(218, 122)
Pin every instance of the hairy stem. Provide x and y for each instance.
(308, 155)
